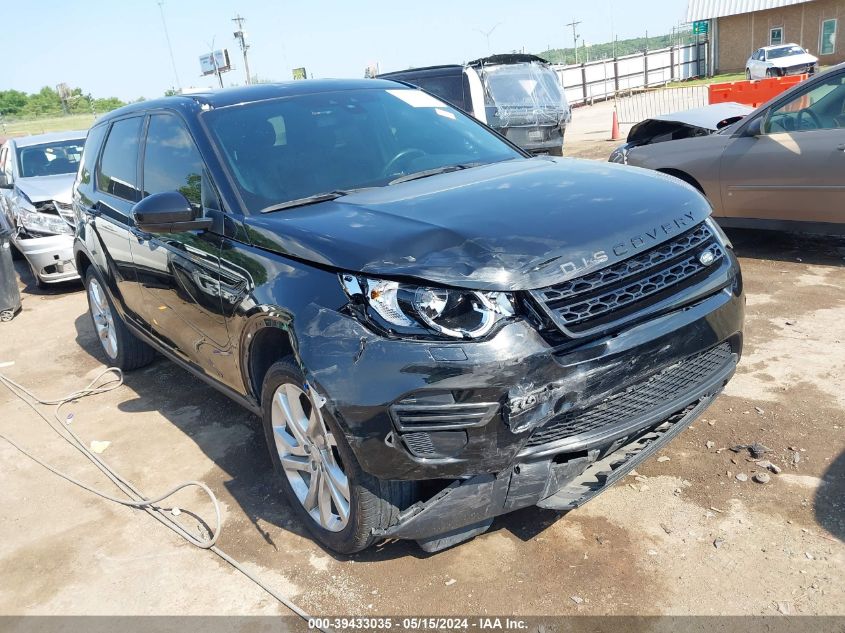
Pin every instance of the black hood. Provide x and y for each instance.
(518, 225)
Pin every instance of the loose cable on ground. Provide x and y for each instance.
(135, 499)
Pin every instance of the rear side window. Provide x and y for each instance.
(172, 161)
(117, 173)
(448, 88)
(89, 154)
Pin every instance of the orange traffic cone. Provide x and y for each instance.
(614, 131)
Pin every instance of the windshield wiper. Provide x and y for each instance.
(302, 202)
(432, 172)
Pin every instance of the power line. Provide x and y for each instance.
(169, 46)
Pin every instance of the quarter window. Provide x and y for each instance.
(172, 161)
(776, 36)
(827, 46)
(118, 169)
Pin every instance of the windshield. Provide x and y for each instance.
(784, 51)
(292, 148)
(50, 159)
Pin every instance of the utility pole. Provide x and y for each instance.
(169, 46)
(241, 37)
(573, 24)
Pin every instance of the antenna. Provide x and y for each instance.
(169, 46)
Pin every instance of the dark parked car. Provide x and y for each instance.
(435, 328)
(520, 96)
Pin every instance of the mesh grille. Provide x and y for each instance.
(575, 303)
(419, 444)
(638, 399)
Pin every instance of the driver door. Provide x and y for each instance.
(793, 169)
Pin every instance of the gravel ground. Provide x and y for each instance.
(690, 533)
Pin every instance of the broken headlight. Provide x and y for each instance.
(411, 309)
(43, 222)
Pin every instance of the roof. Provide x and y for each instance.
(457, 68)
(507, 58)
(52, 137)
(708, 9)
(247, 94)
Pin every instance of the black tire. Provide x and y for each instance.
(132, 353)
(770, 72)
(748, 74)
(374, 503)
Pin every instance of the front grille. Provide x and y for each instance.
(599, 298)
(637, 400)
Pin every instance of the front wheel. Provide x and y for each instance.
(748, 74)
(123, 349)
(340, 504)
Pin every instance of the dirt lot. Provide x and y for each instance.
(681, 536)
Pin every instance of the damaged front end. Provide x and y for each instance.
(547, 400)
(44, 236)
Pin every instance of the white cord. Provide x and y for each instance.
(135, 498)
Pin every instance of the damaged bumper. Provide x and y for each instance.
(51, 257)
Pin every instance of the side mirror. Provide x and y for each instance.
(755, 128)
(168, 212)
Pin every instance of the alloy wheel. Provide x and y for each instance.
(103, 319)
(309, 457)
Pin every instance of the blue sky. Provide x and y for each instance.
(118, 48)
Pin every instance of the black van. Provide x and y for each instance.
(519, 96)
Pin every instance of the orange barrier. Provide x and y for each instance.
(753, 93)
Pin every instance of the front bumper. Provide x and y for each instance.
(51, 257)
(468, 507)
(418, 410)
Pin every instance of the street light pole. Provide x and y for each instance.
(573, 24)
(241, 37)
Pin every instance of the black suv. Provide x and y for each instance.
(435, 327)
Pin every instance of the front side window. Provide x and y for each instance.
(827, 46)
(172, 161)
(117, 173)
(50, 159)
(821, 107)
(776, 36)
(290, 148)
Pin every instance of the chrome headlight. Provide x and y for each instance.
(32, 220)
(421, 310)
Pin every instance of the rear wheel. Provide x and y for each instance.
(770, 73)
(339, 503)
(748, 74)
(122, 348)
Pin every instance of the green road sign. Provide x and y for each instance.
(701, 27)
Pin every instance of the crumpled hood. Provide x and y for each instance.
(41, 188)
(794, 60)
(517, 225)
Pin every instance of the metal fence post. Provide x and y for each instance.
(615, 75)
(584, 81)
(645, 69)
(672, 63)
